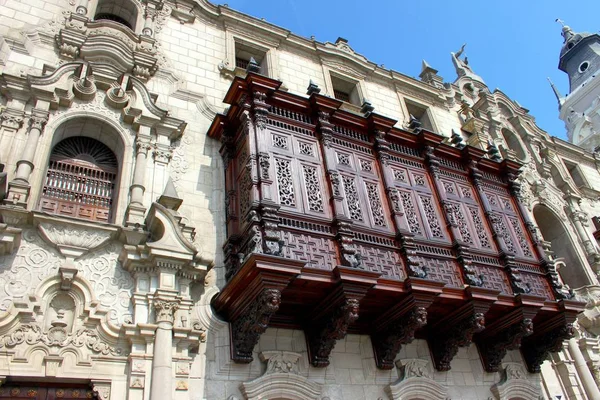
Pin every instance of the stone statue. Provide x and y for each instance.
(462, 66)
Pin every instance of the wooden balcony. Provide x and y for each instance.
(339, 223)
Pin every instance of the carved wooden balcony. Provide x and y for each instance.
(339, 223)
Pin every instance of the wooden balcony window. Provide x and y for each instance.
(80, 181)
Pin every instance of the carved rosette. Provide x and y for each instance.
(246, 329)
(165, 310)
(387, 343)
(494, 348)
(536, 350)
(444, 346)
(332, 328)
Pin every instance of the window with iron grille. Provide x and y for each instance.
(343, 96)
(241, 63)
(80, 181)
(345, 89)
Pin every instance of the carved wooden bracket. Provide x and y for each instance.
(246, 330)
(252, 297)
(547, 338)
(456, 330)
(332, 327)
(336, 313)
(388, 340)
(504, 334)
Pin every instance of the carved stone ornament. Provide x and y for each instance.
(331, 329)
(165, 310)
(246, 330)
(72, 240)
(387, 343)
(416, 381)
(281, 379)
(31, 334)
(515, 384)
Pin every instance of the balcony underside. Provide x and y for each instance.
(279, 292)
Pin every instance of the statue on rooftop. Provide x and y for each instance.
(462, 66)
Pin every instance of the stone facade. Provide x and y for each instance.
(124, 304)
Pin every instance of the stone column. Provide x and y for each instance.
(19, 186)
(579, 219)
(82, 7)
(589, 385)
(136, 209)
(162, 361)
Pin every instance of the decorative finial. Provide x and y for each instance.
(457, 140)
(493, 152)
(253, 66)
(312, 88)
(367, 108)
(559, 97)
(567, 32)
(414, 124)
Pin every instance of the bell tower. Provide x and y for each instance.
(580, 109)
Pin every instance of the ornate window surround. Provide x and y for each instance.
(137, 25)
(247, 39)
(404, 99)
(121, 144)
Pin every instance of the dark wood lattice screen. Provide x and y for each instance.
(80, 181)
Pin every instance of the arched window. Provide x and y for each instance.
(80, 181)
(514, 144)
(123, 12)
(554, 231)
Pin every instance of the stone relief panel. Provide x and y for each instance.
(22, 272)
(113, 286)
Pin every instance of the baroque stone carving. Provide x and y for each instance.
(66, 237)
(165, 310)
(31, 334)
(281, 379)
(246, 330)
(322, 338)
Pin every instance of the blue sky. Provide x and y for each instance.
(513, 45)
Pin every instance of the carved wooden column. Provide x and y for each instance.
(268, 208)
(323, 107)
(18, 188)
(499, 230)
(136, 209)
(380, 126)
(163, 350)
(454, 217)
